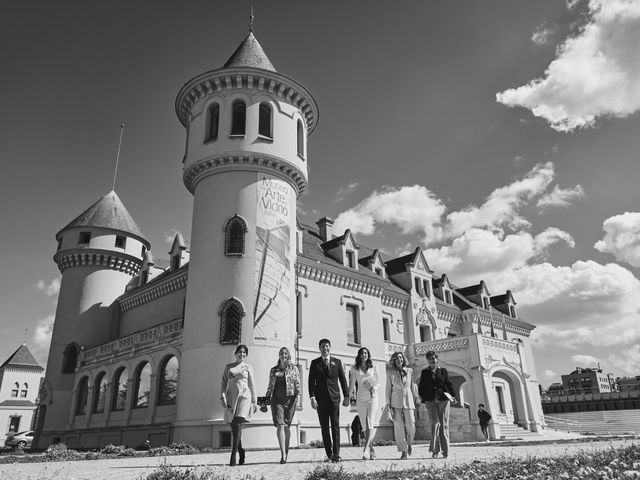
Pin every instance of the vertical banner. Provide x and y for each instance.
(272, 305)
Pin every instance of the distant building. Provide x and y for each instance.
(20, 377)
(626, 384)
(587, 380)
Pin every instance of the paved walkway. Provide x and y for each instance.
(265, 463)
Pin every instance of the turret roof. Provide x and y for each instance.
(107, 212)
(250, 54)
(22, 357)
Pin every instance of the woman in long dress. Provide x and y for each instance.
(284, 394)
(363, 386)
(238, 399)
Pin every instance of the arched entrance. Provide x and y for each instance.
(507, 398)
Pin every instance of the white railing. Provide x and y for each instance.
(563, 424)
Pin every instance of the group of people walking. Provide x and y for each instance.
(329, 388)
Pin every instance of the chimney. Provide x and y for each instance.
(325, 227)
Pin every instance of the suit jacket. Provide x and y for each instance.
(433, 384)
(325, 384)
(400, 391)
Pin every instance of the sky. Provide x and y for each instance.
(501, 136)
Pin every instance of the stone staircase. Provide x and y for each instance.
(510, 431)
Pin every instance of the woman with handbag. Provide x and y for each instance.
(363, 386)
(283, 393)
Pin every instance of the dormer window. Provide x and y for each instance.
(447, 296)
(425, 288)
(84, 238)
(485, 303)
(378, 272)
(121, 241)
(512, 311)
(175, 262)
(351, 258)
(144, 277)
(418, 285)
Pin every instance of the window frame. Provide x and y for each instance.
(82, 396)
(210, 135)
(386, 329)
(232, 325)
(238, 119)
(84, 238)
(100, 394)
(135, 400)
(115, 394)
(121, 242)
(300, 143)
(162, 398)
(265, 121)
(353, 317)
(235, 246)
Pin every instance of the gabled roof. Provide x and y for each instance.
(107, 212)
(399, 264)
(502, 299)
(473, 289)
(180, 243)
(336, 241)
(22, 357)
(250, 54)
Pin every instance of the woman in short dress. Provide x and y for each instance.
(363, 386)
(284, 393)
(238, 399)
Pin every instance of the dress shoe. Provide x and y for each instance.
(241, 453)
(435, 455)
(282, 461)
(336, 458)
(403, 456)
(232, 461)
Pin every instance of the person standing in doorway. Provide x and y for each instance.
(436, 391)
(326, 381)
(484, 418)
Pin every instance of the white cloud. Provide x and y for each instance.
(549, 374)
(543, 34)
(413, 209)
(502, 205)
(346, 190)
(622, 238)
(587, 361)
(50, 290)
(625, 361)
(42, 339)
(595, 73)
(560, 197)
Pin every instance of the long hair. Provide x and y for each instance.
(288, 363)
(368, 363)
(392, 361)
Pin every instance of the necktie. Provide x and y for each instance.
(326, 364)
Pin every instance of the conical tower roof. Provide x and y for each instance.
(22, 357)
(250, 54)
(108, 212)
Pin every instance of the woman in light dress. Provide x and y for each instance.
(402, 397)
(283, 393)
(238, 399)
(363, 386)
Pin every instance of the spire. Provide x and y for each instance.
(107, 212)
(250, 54)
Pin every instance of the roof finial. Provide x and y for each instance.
(251, 21)
(115, 171)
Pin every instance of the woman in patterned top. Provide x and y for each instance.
(238, 399)
(284, 393)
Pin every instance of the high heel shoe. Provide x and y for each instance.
(232, 460)
(282, 461)
(241, 453)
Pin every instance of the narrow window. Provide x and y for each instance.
(264, 121)
(425, 288)
(121, 241)
(299, 314)
(84, 238)
(143, 386)
(300, 139)
(100, 393)
(351, 259)
(144, 277)
(500, 395)
(120, 384)
(59, 243)
(416, 281)
(379, 272)
(447, 296)
(512, 311)
(175, 262)
(485, 303)
(231, 322)
(213, 122)
(83, 394)
(14, 391)
(353, 325)
(168, 382)
(425, 333)
(386, 331)
(70, 358)
(14, 423)
(239, 118)
(234, 236)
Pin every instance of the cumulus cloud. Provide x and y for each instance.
(622, 238)
(346, 190)
(595, 74)
(413, 209)
(587, 361)
(625, 361)
(502, 206)
(41, 339)
(51, 289)
(549, 374)
(560, 197)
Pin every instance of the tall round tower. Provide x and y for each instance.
(245, 164)
(98, 254)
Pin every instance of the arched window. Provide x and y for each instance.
(238, 118)
(23, 392)
(300, 139)
(143, 386)
(234, 232)
(168, 382)
(70, 358)
(120, 383)
(264, 120)
(82, 396)
(231, 315)
(100, 393)
(213, 122)
(14, 390)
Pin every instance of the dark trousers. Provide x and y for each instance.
(329, 412)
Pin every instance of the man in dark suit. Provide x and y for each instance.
(436, 391)
(326, 379)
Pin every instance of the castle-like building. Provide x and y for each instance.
(140, 343)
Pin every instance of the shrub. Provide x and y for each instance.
(176, 448)
(113, 449)
(168, 472)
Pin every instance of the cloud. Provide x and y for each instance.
(595, 74)
(413, 209)
(586, 361)
(549, 374)
(50, 290)
(543, 34)
(622, 238)
(41, 339)
(346, 190)
(625, 361)
(559, 197)
(501, 207)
